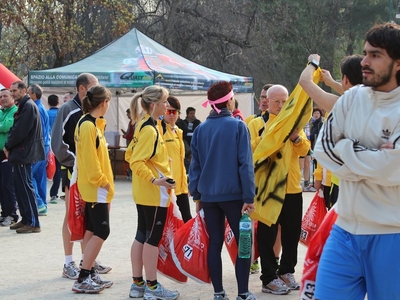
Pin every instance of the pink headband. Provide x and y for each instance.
(220, 100)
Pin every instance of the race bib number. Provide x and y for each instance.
(308, 291)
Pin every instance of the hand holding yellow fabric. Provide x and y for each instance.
(271, 157)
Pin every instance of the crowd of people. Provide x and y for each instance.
(353, 138)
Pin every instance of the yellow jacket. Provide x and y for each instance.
(319, 171)
(148, 159)
(249, 119)
(176, 152)
(296, 150)
(274, 156)
(255, 126)
(319, 175)
(334, 179)
(93, 162)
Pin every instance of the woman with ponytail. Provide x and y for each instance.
(95, 184)
(221, 181)
(151, 188)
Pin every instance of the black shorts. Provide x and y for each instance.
(151, 222)
(97, 219)
(65, 177)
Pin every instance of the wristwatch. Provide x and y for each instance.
(297, 140)
(314, 63)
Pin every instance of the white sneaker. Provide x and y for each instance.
(70, 271)
(289, 280)
(249, 296)
(87, 286)
(160, 293)
(222, 296)
(97, 279)
(276, 287)
(7, 221)
(101, 268)
(137, 291)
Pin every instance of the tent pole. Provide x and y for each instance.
(117, 112)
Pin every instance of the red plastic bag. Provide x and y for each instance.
(166, 264)
(232, 246)
(313, 218)
(51, 165)
(76, 210)
(313, 255)
(189, 249)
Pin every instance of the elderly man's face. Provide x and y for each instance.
(5, 99)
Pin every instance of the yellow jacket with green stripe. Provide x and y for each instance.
(93, 162)
(148, 158)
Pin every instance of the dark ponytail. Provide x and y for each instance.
(94, 97)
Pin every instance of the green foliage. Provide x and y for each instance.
(51, 33)
(268, 40)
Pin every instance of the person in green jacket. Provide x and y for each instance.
(8, 200)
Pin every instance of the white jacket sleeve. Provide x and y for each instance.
(378, 166)
(325, 148)
(349, 159)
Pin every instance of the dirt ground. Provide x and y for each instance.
(32, 264)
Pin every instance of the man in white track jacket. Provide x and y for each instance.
(359, 142)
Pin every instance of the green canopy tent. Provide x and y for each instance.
(135, 61)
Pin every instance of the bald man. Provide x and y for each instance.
(279, 280)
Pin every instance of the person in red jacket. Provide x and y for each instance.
(237, 114)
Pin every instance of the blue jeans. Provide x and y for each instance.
(8, 200)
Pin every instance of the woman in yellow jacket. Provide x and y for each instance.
(151, 188)
(95, 184)
(173, 139)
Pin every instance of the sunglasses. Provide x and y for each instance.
(171, 112)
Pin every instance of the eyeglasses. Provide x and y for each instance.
(172, 112)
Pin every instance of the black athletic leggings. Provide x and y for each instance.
(151, 222)
(214, 214)
(184, 207)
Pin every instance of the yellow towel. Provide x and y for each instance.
(271, 157)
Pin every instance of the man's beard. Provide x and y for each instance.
(379, 80)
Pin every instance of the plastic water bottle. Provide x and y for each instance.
(244, 248)
(307, 130)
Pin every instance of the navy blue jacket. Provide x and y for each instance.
(25, 140)
(221, 168)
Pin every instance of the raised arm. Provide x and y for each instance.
(332, 83)
(323, 99)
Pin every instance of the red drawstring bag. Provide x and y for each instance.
(313, 255)
(76, 210)
(51, 165)
(313, 218)
(189, 249)
(166, 264)
(232, 246)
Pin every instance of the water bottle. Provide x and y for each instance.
(244, 250)
(307, 130)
